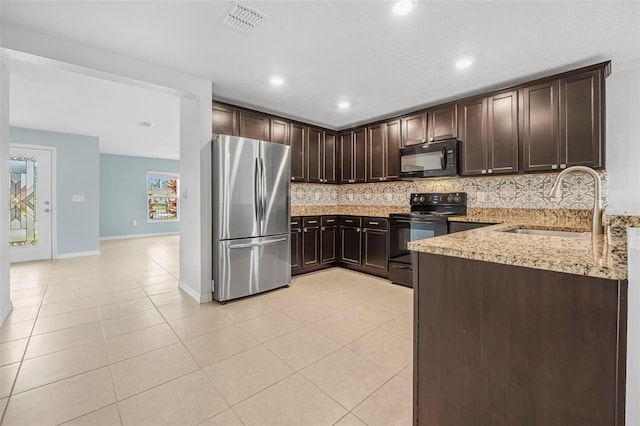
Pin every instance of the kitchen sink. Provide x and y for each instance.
(546, 232)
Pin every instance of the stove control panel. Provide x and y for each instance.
(434, 199)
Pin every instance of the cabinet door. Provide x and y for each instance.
(502, 138)
(540, 135)
(473, 136)
(376, 254)
(392, 135)
(350, 250)
(225, 121)
(328, 244)
(330, 158)
(346, 158)
(414, 129)
(442, 123)
(310, 246)
(297, 141)
(253, 125)
(314, 155)
(296, 249)
(360, 155)
(581, 118)
(279, 131)
(377, 151)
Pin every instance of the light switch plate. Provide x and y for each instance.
(77, 198)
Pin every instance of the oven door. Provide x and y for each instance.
(402, 231)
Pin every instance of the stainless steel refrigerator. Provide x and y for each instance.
(251, 215)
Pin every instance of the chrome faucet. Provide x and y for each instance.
(596, 223)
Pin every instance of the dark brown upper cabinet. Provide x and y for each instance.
(353, 150)
(297, 141)
(330, 158)
(254, 125)
(488, 129)
(472, 132)
(442, 122)
(502, 135)
(414, 129)
(383, 151)
(225, 120)
(540, 134)
(279, 131)
(581, 120)
(314, 155)
(562, 123)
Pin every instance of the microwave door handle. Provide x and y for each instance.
(442, 159)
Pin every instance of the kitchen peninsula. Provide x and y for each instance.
(521, 329)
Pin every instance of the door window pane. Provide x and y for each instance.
(23, 224)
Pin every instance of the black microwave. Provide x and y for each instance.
(430, 160)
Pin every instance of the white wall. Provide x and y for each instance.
(623, 153)
(195, 127)
(5, 299)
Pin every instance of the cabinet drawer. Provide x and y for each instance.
(376, 223)
(296, 222)
(311, 222)
(351, 221)
(329, 220)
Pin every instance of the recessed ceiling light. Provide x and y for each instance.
(464, 63)
(145, 124)
(403, 7)
(343, 105)
(276, 81)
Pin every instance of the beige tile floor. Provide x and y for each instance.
(110, 340)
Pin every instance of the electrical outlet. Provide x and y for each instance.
(134, 222)
(350, 197)
(317, 196)
(389, 197)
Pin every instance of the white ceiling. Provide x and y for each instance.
(355, 50)
(64, 101)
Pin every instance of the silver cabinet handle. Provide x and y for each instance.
(358, 230)
(490, 171)
(554, 166)
(306, 230)
(323, 228)
(563, 166)
(373, 223)
(484, 172)
(313, 221)
(299, 231)
(330, 220)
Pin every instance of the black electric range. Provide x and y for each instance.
(428, 218)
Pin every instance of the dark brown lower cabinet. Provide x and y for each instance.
(465, 226)
(506, 345)
(365, 244)
(313, 243)
(329, 240)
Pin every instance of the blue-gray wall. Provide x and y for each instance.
(123, 195)
(78, 173)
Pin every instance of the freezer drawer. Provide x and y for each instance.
(251, 265)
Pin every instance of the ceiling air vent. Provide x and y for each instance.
(242, 18)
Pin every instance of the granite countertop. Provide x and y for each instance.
(588, 254)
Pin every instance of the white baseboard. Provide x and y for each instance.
(78, 254)
(154, 234)
(5, 312)
(193, 294)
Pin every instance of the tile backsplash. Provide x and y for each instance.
(518, 191)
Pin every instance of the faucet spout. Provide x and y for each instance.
(596, 221)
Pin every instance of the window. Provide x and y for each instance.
(162, 197)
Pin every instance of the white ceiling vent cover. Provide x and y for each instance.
(242, 18)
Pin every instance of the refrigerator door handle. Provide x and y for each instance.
(266, 243)
(263, 190)
(256, 195)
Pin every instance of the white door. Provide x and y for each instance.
(30, 204)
